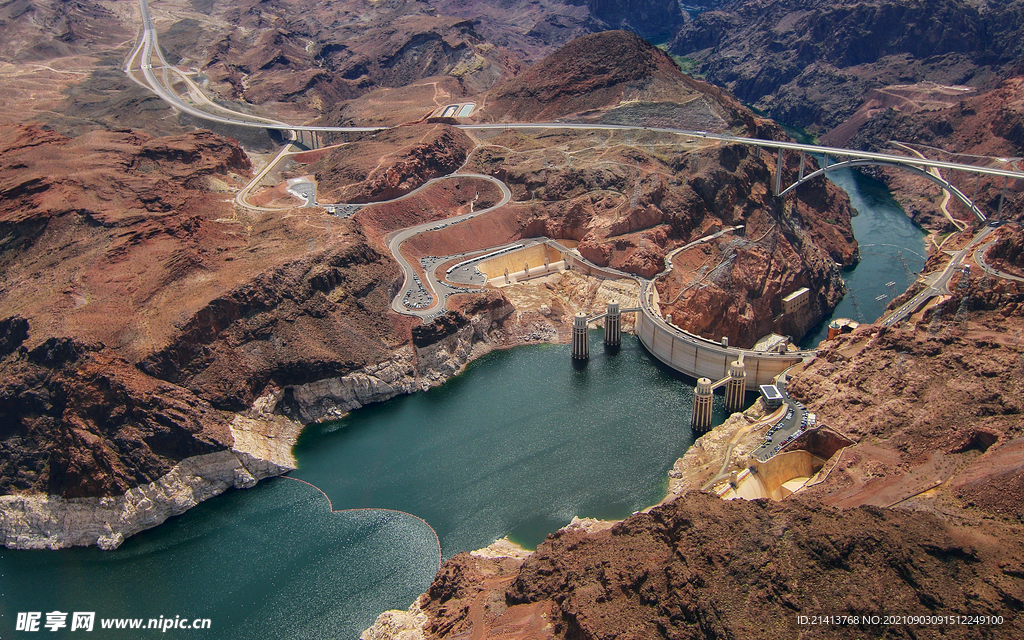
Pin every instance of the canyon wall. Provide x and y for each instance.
(811, 63)
(35, 520)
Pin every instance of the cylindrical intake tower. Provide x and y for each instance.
(735, 389)
(613, 325)
(580, 344)
(702, 398)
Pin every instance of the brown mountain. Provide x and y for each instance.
(812, 62)
(598, 72)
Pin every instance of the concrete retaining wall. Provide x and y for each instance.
(515, 260)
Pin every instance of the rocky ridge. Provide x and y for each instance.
(811, 63)
(917, 514)
(598, 71)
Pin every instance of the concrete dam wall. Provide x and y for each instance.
(702, 358)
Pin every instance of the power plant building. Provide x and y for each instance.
(796, 301)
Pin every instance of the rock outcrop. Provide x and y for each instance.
(811, 63)
(390, 164)
(699, 566)
(46, 521)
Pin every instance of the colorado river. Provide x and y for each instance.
(892, 249)
(518, 445)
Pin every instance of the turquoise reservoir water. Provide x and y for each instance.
(892, 249)
(518, 444)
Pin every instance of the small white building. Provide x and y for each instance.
(771, 395)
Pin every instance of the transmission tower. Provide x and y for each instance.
(965, 280)
(961, 311)
(856, 306)
(906, 268)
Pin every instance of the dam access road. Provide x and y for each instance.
(686, 352)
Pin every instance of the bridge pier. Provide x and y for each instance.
(778, 173)
(1002, 198)
(700, 419)
(735, 389)
(613, 326)
(580, 344)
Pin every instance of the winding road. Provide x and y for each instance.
(396, 239)
(979, 259)
(142, 54)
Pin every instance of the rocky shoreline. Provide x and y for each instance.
(263, 438)
(40, 521)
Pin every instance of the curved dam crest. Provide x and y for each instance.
(518, 444)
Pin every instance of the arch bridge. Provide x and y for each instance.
(917, 166)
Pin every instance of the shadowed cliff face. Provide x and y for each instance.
(121, 249)
(652, 19)
(76, 421)
(93, 228)
(812, 62)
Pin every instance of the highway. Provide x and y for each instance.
(148, 43)
(939, 285)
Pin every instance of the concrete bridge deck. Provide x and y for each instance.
(675, 347)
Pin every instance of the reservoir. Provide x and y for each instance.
(518, 444)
